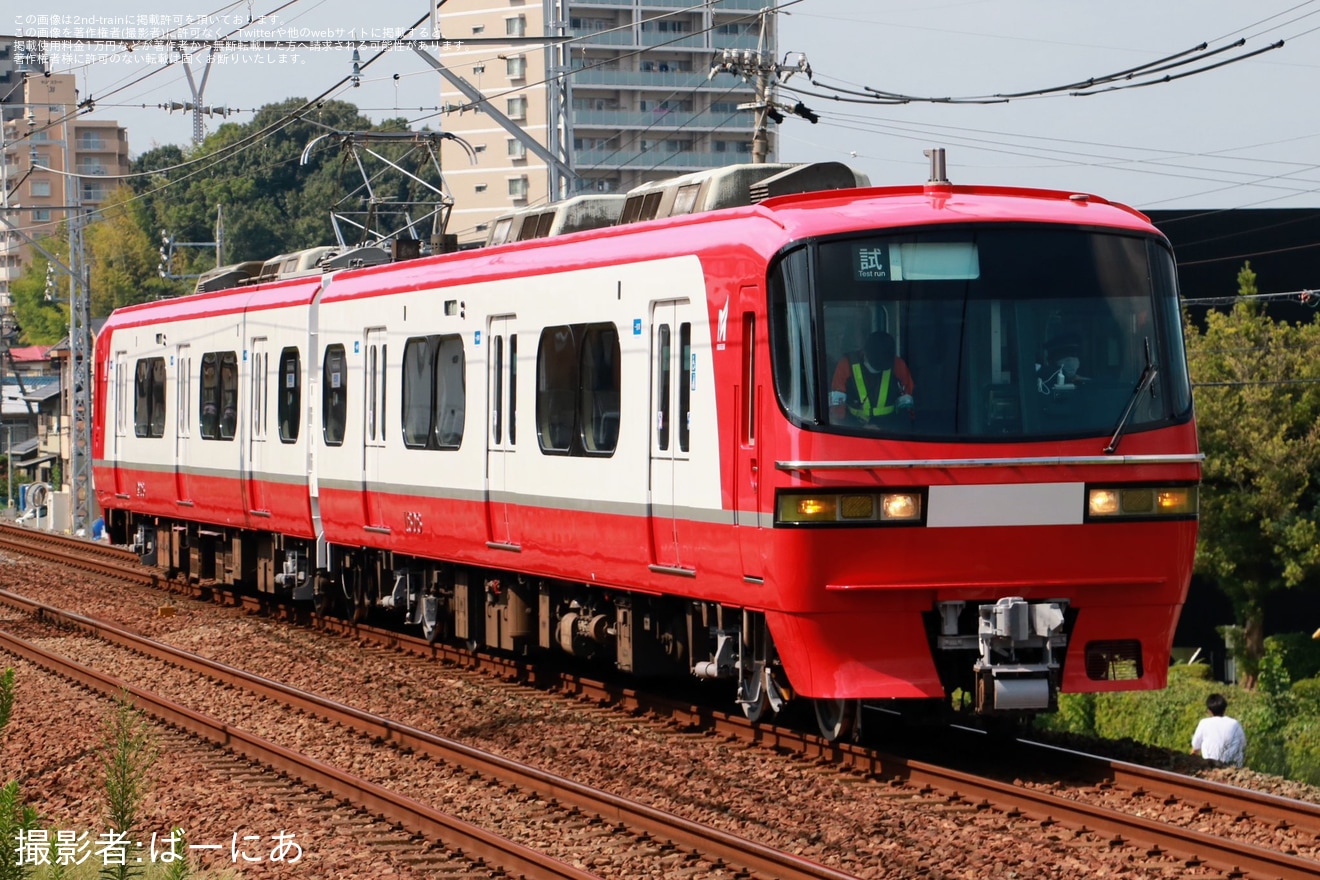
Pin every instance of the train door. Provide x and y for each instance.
(501, 430)
(373, 426)
(747, 496)
(119, 418)
(183, 426)
(258, 405)
(671, 395)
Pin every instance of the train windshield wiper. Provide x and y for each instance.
(1148, 375)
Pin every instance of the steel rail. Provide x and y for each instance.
(1206, 848)
(709, 842)
(471, 840)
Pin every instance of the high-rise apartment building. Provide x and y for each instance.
(55, 161)
(628, 96)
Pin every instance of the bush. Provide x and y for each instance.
(1301, 744)
(1283, 727)
(1300, 653)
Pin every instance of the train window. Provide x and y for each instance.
(996, 332)
(371, 392)
(556, 388)
(497, 388)
(183, 395)
(209, 394)
(577, 389)
(418, 382)
(662, 392)
(513, 388)
(258, 396)
(290, 395)
(334, 395)
(141, 401)
(600, 389)
(451, 393)
(685, 385)
(149, 398)
(434, 392)
(228, 394)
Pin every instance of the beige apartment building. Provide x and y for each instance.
(42, 128)
(627, 98)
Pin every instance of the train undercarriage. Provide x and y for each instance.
(998, 662)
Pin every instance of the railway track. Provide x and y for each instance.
(549, 793)
(1170, 840)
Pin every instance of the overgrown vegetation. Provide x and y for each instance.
(128, 754)
(29, 851)
(16, 818)
(1281, 716)
(1257, 385)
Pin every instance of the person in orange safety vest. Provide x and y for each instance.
(872, 384)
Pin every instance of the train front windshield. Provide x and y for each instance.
(979, 334)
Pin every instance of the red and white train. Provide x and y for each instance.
(648, 442)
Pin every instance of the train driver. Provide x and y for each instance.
(872, 384)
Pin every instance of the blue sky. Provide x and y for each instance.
(1246, 134)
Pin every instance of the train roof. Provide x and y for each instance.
(753, 209)
(289, 293)
(762, 228)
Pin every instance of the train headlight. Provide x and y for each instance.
(808, 508)
(852, 508)
(1102, 502)
(900, 506)
(1141, 502)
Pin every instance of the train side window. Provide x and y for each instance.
(556, 388)
(371, 392)
(513, 388)
(600, 387)
(418, 390)
(209, 390)
(451, 393)
(257, 401)
(434, 392)
(141, 399)
(685, 386)
(157, 420)
(290, 395)
(662, 419)
(183, 394)
(577, 389)
(228, 394)
(334, 395)
(497, 388)
(149, 398)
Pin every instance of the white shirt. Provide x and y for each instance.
(1221, 738)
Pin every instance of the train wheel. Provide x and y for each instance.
(837, 719)
(430, 619)
(359, 598)
(752, 696)
(323, 600)
(756, 709)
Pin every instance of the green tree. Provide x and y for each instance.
(1258, 412)
(273, 202)
(40, 295)
(124, 257)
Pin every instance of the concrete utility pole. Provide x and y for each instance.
(759, 68)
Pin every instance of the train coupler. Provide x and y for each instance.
(1016, 667)
(1017, 645)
